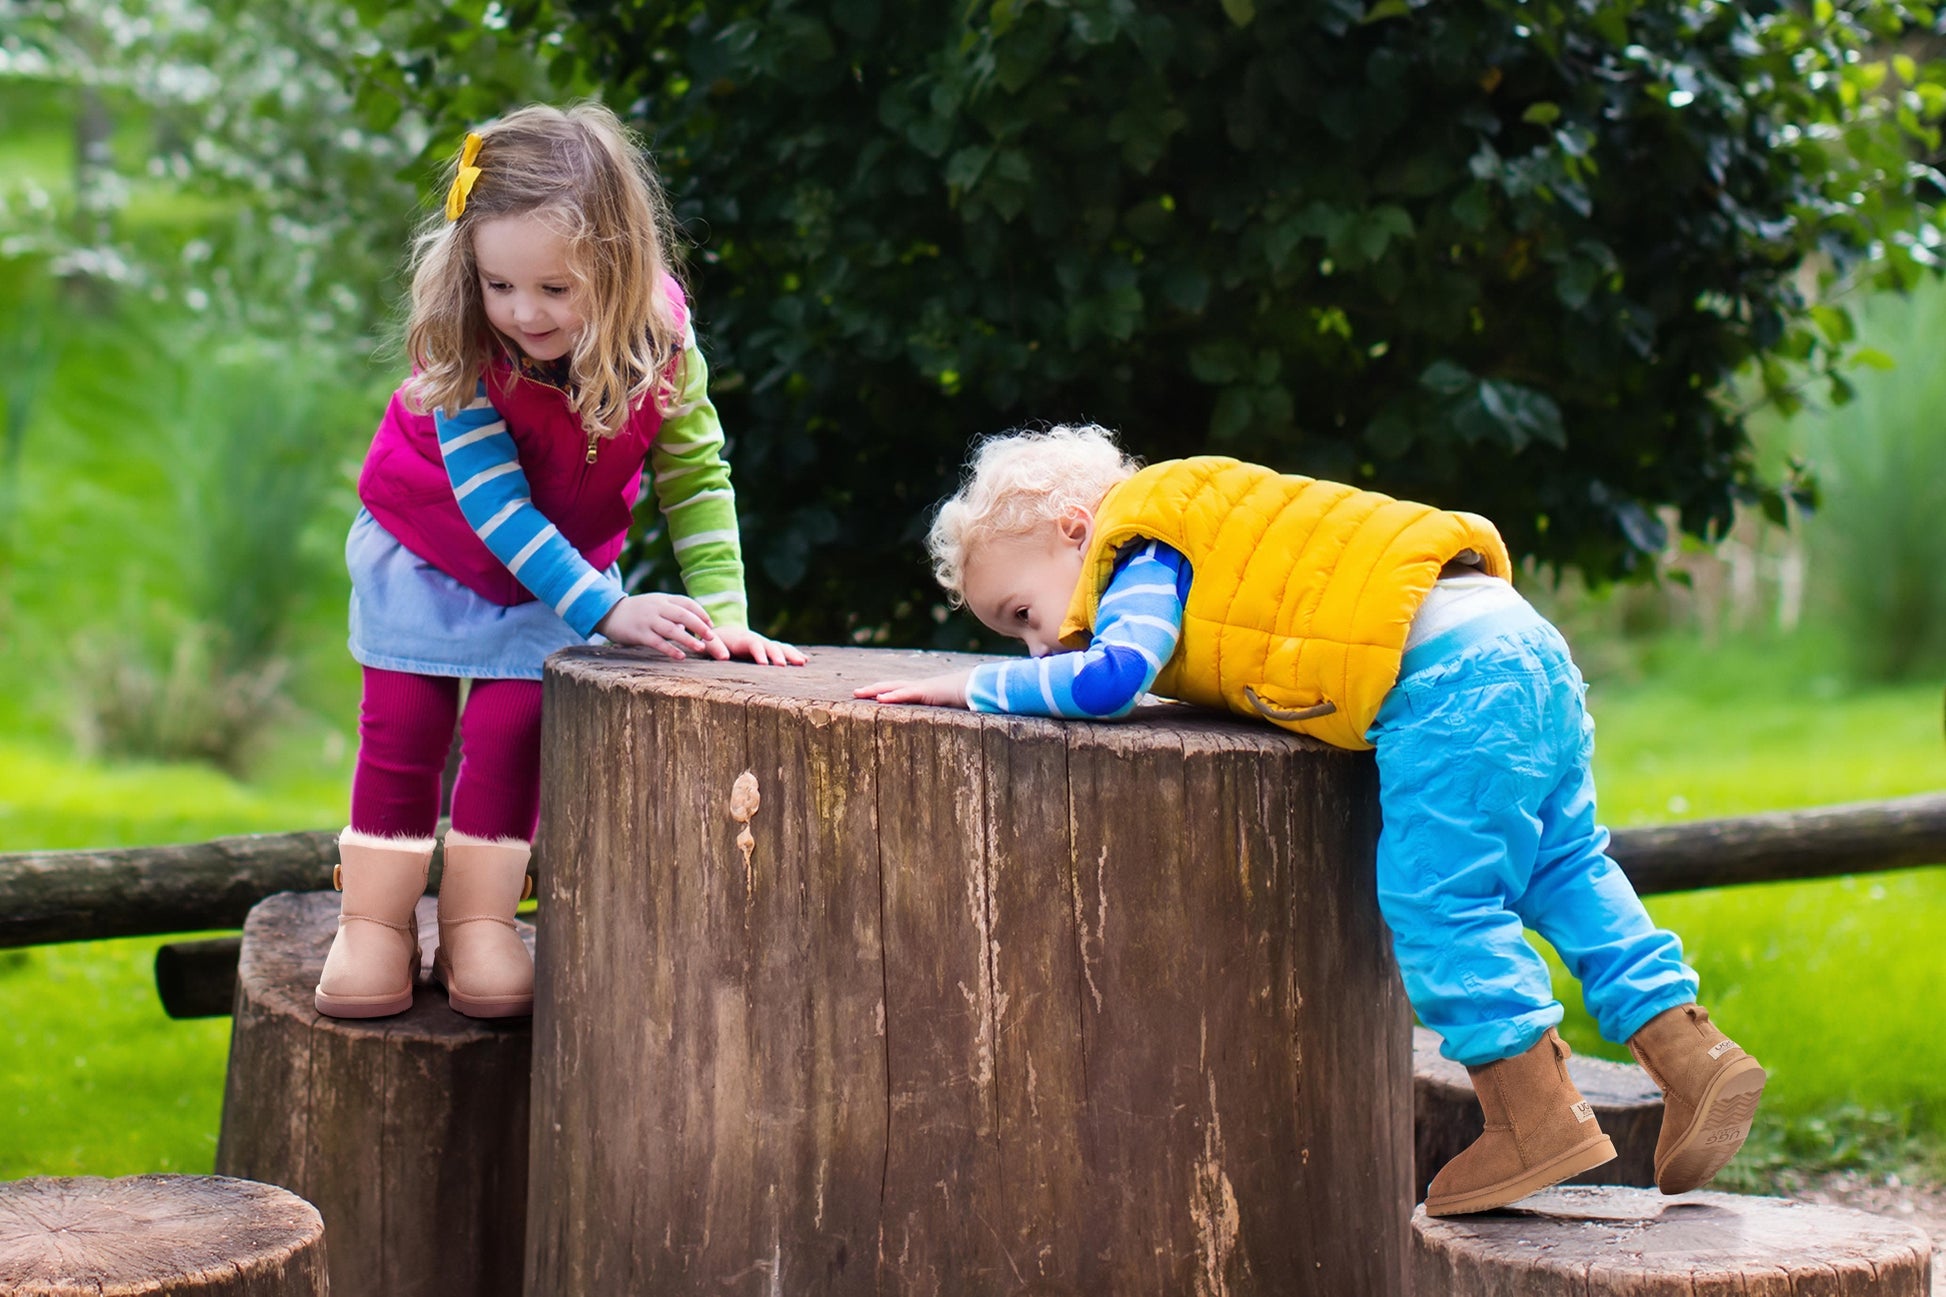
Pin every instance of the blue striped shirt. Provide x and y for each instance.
(1136, 631)
(692, 487)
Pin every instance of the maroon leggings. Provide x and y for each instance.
(405, 727)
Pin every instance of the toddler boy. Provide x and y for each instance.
(1367, 622)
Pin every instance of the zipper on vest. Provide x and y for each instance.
(591, 448)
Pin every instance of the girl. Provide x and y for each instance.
(552, 357)
(1366, 622)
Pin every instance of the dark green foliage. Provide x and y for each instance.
(1497, 256)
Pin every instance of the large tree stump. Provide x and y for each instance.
(164, 1235)
(408, 1133)
(842, 998)
(1618, 1242)
(1446, 1115)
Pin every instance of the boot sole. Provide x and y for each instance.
(482, 1006)
(1583, 1157)
(362, 1006)
(1722, 1123)
(489, 1008)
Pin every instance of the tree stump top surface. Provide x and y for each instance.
(830, 675)
(285, 940)
(1603, 1240)
(148, 1233)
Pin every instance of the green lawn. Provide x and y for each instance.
(94, 1079)
(1834, 984)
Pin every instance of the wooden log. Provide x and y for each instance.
(1781, 846)
(1623, 1242)
(50, 896)
(839, 998)
(197, 979)
(167, 1235)
(408, 1133)
(53, 896)
(1446, 1115)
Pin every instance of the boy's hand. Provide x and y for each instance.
(935, 691)
(736, 642)
(667, 623)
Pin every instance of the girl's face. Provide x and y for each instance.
(524, 281)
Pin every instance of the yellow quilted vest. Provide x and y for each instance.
(1302, 590)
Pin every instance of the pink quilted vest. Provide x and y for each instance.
(405, 486)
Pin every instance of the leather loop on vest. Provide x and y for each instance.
(1269, 713)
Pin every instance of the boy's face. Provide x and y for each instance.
(1020, 585)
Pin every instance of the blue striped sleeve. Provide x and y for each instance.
(1136, 633)
(484, 467)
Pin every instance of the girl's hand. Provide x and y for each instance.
(759, 649)
(667, 623)
(935, 691)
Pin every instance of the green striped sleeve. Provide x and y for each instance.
(692, 488)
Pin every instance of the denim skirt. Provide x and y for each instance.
(407, 615)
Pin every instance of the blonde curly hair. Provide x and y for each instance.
(583, 172)
(1017, 481)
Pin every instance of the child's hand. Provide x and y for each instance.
(667, 623)
(759, 649)
(935, 691)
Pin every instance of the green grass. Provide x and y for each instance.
(94, 1079)
(1835, 984)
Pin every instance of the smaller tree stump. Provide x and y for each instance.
(1446, 1115)
(409, 1133)
(158, 1234)
(1626, 1242)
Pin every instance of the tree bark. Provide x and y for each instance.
(1446, 1115)
(842, 998)
(1617, 1242)
(409, 1133)
(166, 1235)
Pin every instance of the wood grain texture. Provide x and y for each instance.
(408, 1133)
(158, 1234)
(1446, 1114)
(992, 1005)
(1626, 1242)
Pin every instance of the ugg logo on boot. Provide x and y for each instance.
(1583, 1111)
(1721, 1048)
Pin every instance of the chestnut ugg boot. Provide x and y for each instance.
(481, 960)
(374, 959)
(1710, 1089)
(1539, 1131)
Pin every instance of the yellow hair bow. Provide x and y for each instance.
(463, 182)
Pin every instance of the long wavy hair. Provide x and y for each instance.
(583, 172)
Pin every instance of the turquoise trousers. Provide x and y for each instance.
(1484, 748)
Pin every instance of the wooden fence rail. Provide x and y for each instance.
(55, 896)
